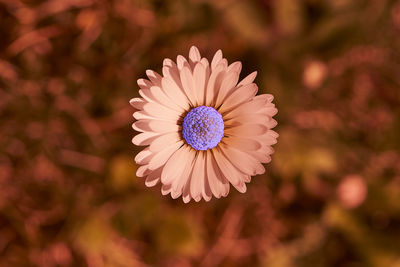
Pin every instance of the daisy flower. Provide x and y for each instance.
(202, 129)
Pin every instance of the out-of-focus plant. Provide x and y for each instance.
(68, 191)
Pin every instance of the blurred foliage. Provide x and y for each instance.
(68, 191)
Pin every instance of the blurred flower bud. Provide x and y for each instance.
(61, 254)
(396, 15)
(352, 191)
(314, 74)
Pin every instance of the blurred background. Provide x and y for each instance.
(68, 191)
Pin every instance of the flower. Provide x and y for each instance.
(203, 130)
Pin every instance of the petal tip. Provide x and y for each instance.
(193, 48)
(141, 82)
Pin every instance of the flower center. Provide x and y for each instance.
(203, 128)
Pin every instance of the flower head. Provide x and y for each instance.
(203, 130)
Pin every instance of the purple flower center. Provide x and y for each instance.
(203, 128)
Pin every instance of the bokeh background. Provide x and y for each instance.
(68, 191)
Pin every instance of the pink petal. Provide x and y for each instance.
(226, 167)
(228, 83)
(271, 123)
(223, 62)
(261, 155)
(267, 121)
(198, 176)
(164, 140)
(159, 111)
(153, 178)
(248, 119)
(244, 144)
(273, 133)
(270, 111)
(213, 85)
(199, 79)
(175, 93)
(163, 99)
(142, 126)
(206, 65)
(180, 181)
(216, 59)
(181, 62)
(172, 72)
(163, 126)
(175, 166)
(238, 96)
(242, 161)
(165, 189)
(250, 107)
(144, 84)
(186, 192)
(188, 85)
(267, 97)
(249, 79)
(144, 139)
(143, 171)
(218, 184)
(155, 126)
(167, 62)
(175, 194)
(194, 54)
(137, 103)
(241, 187)
(144, 156)
(162, 156)
(246, 130)
(206, 192)
(146, 94)
(154, 77)
(235, 67)
(141, 115)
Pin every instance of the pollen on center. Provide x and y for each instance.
(203, 128)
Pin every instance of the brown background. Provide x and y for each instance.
(68, 191)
